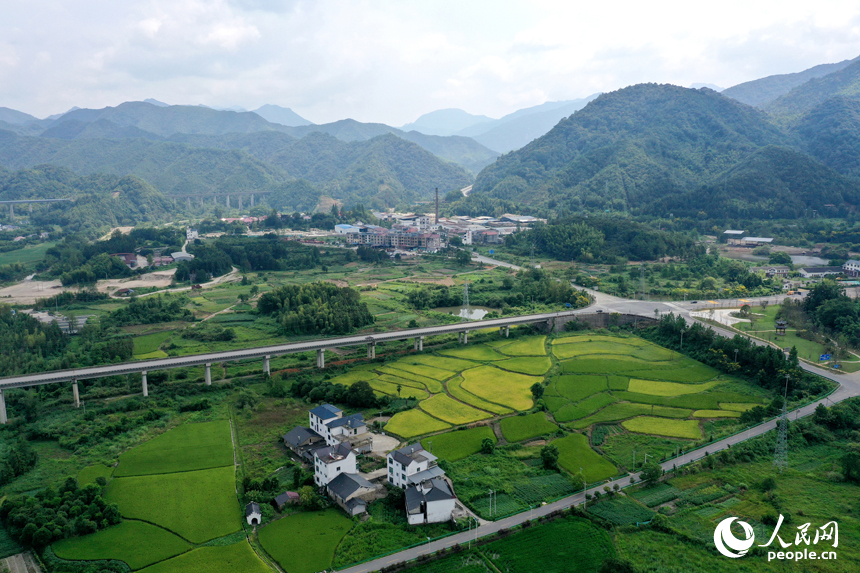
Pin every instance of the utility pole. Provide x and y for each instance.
(780, 456)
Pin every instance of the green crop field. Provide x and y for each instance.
(716, 414)
(433, 386)
(609, 364)
(235, 558)
(456, 390)
(664, 427)
(655, 388)
(444, 362)
(188, 447)
(477, 352)
(527, 365)
(305, 542)
(458, 444)
(574, 453)
(90, 473)
(597, 338)
(655, 495)
(352, 377)
(460, 563)
(519, 428)
(566, 351)
(446, 408)
(432, 372)
(621, 511)
(390, 389)
(413, 423)
(739, 407)
(585, 408)
(137, 543)
(150, 342)
(689, 374)
(27, 254)
(577, 387)
(527, 346)
(613, 413)
(668, 412)
(151, 355)
(197, 505)
(402, 381)
(565, 545)
(506, 388)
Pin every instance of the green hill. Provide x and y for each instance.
(762, 91)
(844, 82)
(831, 134)
(99, 200)
(627, 148)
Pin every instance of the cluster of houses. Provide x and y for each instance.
(331, 444)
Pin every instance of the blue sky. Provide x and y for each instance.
(391, 61)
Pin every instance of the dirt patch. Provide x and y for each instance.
(28, 292)
(123, 230)
(156, 279)
(338, 283)
(536, 443)
(444, 281)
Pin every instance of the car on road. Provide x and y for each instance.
(599, 311)
(694, 302)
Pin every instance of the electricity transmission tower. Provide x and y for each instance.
(780, 455)
(466, 311)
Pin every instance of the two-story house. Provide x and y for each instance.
(431, 501)
(852, 268)
(412, 464)
(331, 461)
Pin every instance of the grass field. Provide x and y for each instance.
(446, 408)
(519, 428)
(664, 427)
(150, 342)
(90, 473)
(235, 558)
(562, 546)
(305, 542)
(655, 388)
(197, 505)
(188, 447)
(716, 414)
(456, 390)
(413, 423)
(527, 346)
(577, 387)
(536, 366)
(574, 453)
(137, 543)
(477, 352)
(505, 388)
(27, 254)
(458, 444)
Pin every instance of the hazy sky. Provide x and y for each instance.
(391, 61)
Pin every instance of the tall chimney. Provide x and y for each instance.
(437, 206)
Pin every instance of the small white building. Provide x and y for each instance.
(191, 234)
(852, 268)
(819, 272)
(411, 465)
(253, 515)
(331, 461)
(431, 501)
(320, 415)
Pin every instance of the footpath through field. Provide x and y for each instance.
(849, 386)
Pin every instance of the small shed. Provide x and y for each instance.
(290, 497)
(253, 514)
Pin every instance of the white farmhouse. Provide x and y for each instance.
(331, 461)
(431, 501)
(330, 423)
(411, 465)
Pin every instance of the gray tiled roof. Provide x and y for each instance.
(354, 421)
(326, 411)
(331, 454)
(298, 436)
(344, 485)
(252, 508)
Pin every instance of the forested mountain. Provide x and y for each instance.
(99, 129)
(764, 90)
(172, 168)
(98, 200)
(15, 117)
(831, 134)
(844, 82)
(770, 183)
(445, 122)
(628, 148)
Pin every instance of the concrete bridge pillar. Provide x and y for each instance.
(3, 418)
(466, 337)
(11, 211)
(188, 202)
(208, 374)
(75, 394)
(252, 199)
(30, 207)
(228, 201)
(507, 331)
(201, 200)
(420, 344)
(266, 369)
(550, 323)
(321, 358)
(239, 198)
(144, 384)
(371, 350)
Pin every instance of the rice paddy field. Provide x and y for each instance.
(189, 447)
(520, 428)
(137, 543)
(305, 542)
(453, 446)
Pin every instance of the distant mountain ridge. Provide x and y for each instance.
(844, 82)
(762, 91)
(445, 122)
(281, 115)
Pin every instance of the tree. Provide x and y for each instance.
(615, 565)
(455, 241)
(487, 446)
(297, 477)
(851, 462)
(651, 472)
(463, 257)
(780, 258)
(254, 290)
(537, 390)
(309, 498)
(399, 388)
(549, 457)
(763, 305)
(243, 297)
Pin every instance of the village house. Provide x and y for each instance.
(331, 461)
(352, 492)
(852, 268)
(780, 271)
(253, 515)
(412, 464)
(328, 421)
(431, 501)
(303, 442)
